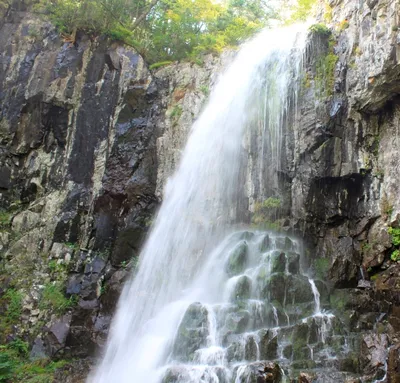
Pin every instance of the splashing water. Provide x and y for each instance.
(201, 202)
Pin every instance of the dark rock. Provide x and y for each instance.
(293, 261)
(275, 288)
(393, 368)
(192, 332)
(278, 262)
(268, 346)
(96, 266)
(237, 322)
(242, 289)
(251, 349)
(56, 336)
(39, 350)
(113, 60)
(237, 259)
(373, 355)
(265, 243)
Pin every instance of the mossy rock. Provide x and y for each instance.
(265, 244)
(237, 260)
(275, 288)
(278, 262)
(350, 363)
(299, 289)
(268, 346)
(300, 335)
(298, 311)
(301, 353)
(235, 351)
(288, 351)
(321, 267)
(247, 235)
(251, 349)
(192, 332)
(242, 289)
(262, 277)
(339, 300)
(293, 262)
(237, 322)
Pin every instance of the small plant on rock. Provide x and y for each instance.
(320, 29)
(54, 299)
(395, 234)
(395, 257)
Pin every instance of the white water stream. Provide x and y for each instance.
(178, 265)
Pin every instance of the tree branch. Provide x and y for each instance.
(144, 14)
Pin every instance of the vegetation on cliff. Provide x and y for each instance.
(167, 30)
(162, 29)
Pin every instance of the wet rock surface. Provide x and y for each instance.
(88, 138)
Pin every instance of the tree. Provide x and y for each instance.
(162, 29)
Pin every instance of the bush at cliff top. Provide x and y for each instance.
(161, 30)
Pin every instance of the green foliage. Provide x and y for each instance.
(302, 10)
(320, 29)
(325, 72)
(321, 266)
(366, 247)
(16, 367)
(266, 214)
(163, 30)
(395, 233)
(159, 64)
(176, 112)
(14, 306)
(72, 246)
(5, 218)
(387, 207)
(54, 299)
(7, 214)
(205, 89)
(395, 256)
(271, 203)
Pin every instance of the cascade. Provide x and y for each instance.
(211, 303)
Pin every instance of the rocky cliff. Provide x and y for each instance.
(89, 136)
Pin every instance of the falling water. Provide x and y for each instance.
(188, 285)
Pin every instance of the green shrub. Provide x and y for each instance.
(205, 89)
(14, 306)
(16, 367)
(325, 73)
(272, 203)
(176, 112)
(395, 233)
(320, 29)
(162, 30)
(54, 299)
(395, 257)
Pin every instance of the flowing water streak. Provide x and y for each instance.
(199, 204)
(317, 301)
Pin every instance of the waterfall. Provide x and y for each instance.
(183, 273)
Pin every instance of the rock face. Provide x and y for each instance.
(89, 137)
